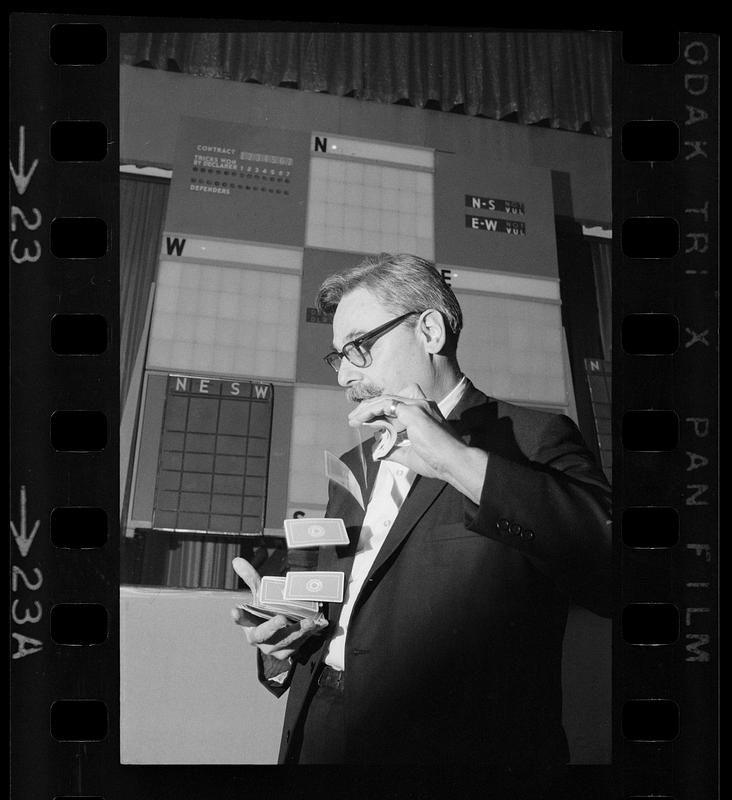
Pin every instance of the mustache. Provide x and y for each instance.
(362, 391)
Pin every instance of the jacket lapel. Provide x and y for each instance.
(345, 506)
(424, 491)
(472, 411)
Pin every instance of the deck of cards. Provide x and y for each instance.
(297, 596)
(309, 532)
(270, 601)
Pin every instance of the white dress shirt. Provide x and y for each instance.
(391, 486)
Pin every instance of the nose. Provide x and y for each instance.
(347, 373)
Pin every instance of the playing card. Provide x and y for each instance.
(387, 437)
(271, 589)
(326, 587)
(336, 470)
(315, 532)
(271, 593)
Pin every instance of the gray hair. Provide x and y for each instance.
(402, 282)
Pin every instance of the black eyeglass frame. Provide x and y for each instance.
(334, 358)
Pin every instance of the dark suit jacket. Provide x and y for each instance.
(454, 645)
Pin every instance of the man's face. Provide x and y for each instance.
(398, 357)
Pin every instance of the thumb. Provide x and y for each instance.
(247, 573)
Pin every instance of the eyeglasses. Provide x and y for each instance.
(358, 351)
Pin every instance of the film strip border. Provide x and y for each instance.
(665, 398)
(64, 405)
(64, 287)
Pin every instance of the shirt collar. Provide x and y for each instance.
(452, 398)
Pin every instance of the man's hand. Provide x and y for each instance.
(433, 450)
(432, 444)
(277, 637)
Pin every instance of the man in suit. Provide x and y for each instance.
(477, 534)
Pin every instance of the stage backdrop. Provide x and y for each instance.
(237, 405)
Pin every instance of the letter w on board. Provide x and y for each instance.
(174, 245)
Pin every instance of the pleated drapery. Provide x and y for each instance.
(143, 202)
(561, 79)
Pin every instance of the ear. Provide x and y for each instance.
(432, 327)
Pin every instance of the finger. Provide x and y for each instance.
(413, 390)
(304, 631)
(429, 407)
(281, 655)
(298, 635)
(247, 573)
(382, 407)
(245, 618)
(264, 632)
(287, 636)
(239, 617)
(365, 407)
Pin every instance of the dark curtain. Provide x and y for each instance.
(143, 202)
(580, 318)
(561, 79)
(602, 254)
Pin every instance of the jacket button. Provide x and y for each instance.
(515, 529)
(287, 736)
(502, 525)
(528, 535)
